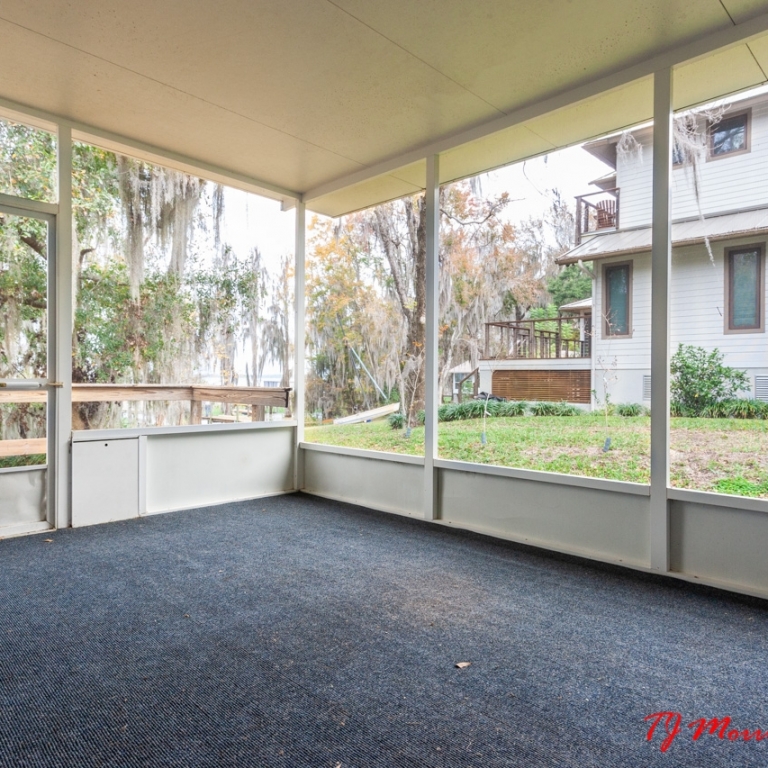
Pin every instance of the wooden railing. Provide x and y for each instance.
(597, 211)
(258, 398)
(534, 340)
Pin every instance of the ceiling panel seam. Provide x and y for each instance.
(417, 58)
(734, 34)
(760, 66)
(728, 12)
(181, 91)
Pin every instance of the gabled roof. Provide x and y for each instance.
(685, 232)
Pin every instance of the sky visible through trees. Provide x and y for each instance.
(179, 280)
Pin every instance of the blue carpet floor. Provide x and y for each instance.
(295, 631)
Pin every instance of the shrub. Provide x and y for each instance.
(511, 408)
(630, 409)
(396, 420)
(474, 409)
(554, 409)
(737, 408)
(700, 381)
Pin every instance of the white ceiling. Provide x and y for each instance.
(302, 93)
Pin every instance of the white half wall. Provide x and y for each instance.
(22, 496)
(384, 481)
(720, 545)
(608, 525)
(201, 469)
(120, 474)
(600, 519)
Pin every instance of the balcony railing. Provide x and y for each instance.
(597, 211)
(534, 340)
(253, 402)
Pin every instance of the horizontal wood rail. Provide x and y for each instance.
(259, 398)
(534, 340)
(197, 393)
(22, 447)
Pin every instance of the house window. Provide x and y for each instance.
(745, 286)
(729, 136)
(617, 299)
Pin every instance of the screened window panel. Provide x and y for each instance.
(745, 284)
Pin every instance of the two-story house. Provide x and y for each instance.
(718, 286)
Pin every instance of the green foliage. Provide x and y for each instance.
(27, 162)
(737, 408)
(33, 460)
(630, 409)
(511, 408)
(740, 486)
(555, 409)
(700, 381)
(570, 284)
(469, 409)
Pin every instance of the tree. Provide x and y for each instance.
(159, 297)
(570, 284)
(376, 263)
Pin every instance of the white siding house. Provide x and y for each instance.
(718, 286)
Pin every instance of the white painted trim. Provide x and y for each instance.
(23, 205)
(299, 342)
(702, 46)
(217, 504)
(661, 266)
(728, 586)
(60, 319)
(431, 336)
(142, 475)
(117, 143)
(554, 478)
(23, 529)
(88, 435)
(365, 505)
(362, 453)
(28, 468)
(707, 498)
(587, 554)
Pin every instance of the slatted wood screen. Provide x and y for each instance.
(571, 386)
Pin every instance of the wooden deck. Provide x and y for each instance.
(258, 398)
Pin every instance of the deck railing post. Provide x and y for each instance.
(195, 411)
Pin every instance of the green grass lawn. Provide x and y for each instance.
(725, 455)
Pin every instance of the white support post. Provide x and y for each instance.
(661, 254)
(299, 339)
(431, 384)
(60, 318)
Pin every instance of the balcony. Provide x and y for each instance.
(557, 338)
(596, 212)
